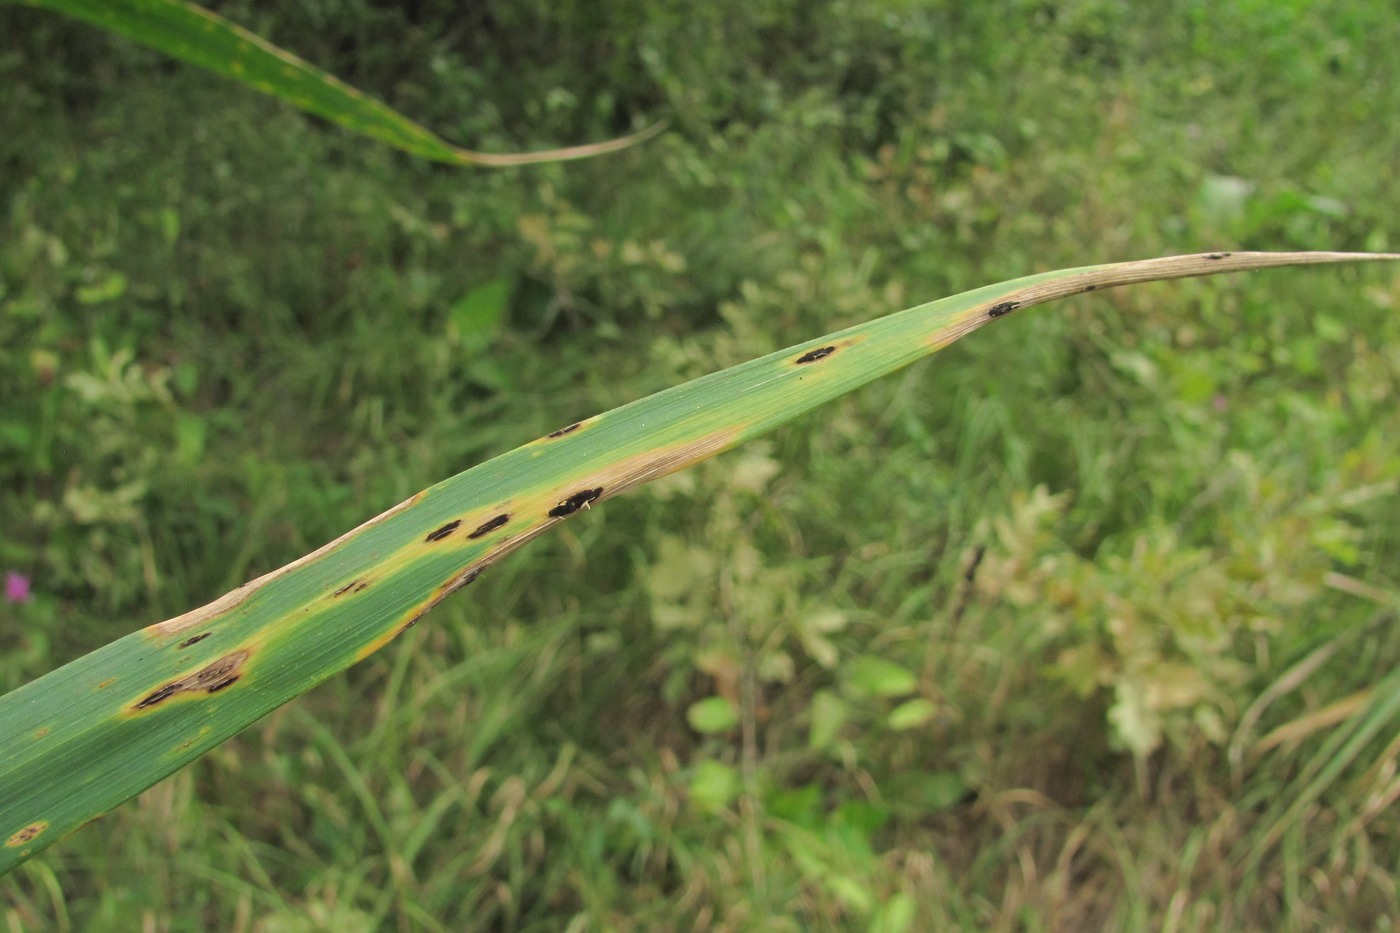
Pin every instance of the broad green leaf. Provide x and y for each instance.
(713, 786)
(911, 714)
(896, 915)
(193, 34)
(870, 676)
(80, 740)
(476, 316)
(829, 713)
(712, 714)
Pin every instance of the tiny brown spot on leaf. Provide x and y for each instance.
(444, 531)
(26, 835)
(815, 355)
(40, 732)
(488, 527)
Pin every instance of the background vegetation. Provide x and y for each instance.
(1074, 626)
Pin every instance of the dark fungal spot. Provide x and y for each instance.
(210, 678)
(1217, 255)
(217, 672)
(488, 527)
(471, 576)
(562, 431)
(1006, 307)
(575, 502)
(357, 584)
(815, 355)
(159, 696)
(444, 531)
(1090, 288)
(195, 640)
(26, 835)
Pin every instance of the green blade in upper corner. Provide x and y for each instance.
(193, 34)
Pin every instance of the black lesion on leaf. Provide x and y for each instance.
(164, 693)
(490, 526)
(1217, 255)
(210, 678)
(1090, 288)
(195, 639)
(575, 502)
(444, 531)
(815, 355)
(1006, 307)
(566, 430)
(357, 584)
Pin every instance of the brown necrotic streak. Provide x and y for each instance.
(627, 473)
(28, 834)
(444, 531)
(195, 640)
(489, 526)
(815, 355)
(575, 502)
(211, 678)
(357, 584)
(230, 601)
(562, 431)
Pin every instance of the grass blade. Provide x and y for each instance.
(196, 35)
(84, 738)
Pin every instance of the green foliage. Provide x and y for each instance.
(194, 34)
(524, 760)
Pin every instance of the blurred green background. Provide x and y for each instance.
(1074, 626)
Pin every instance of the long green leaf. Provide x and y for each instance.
(79, 741)
(191, 33)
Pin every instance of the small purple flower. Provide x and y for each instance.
(16, 587)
